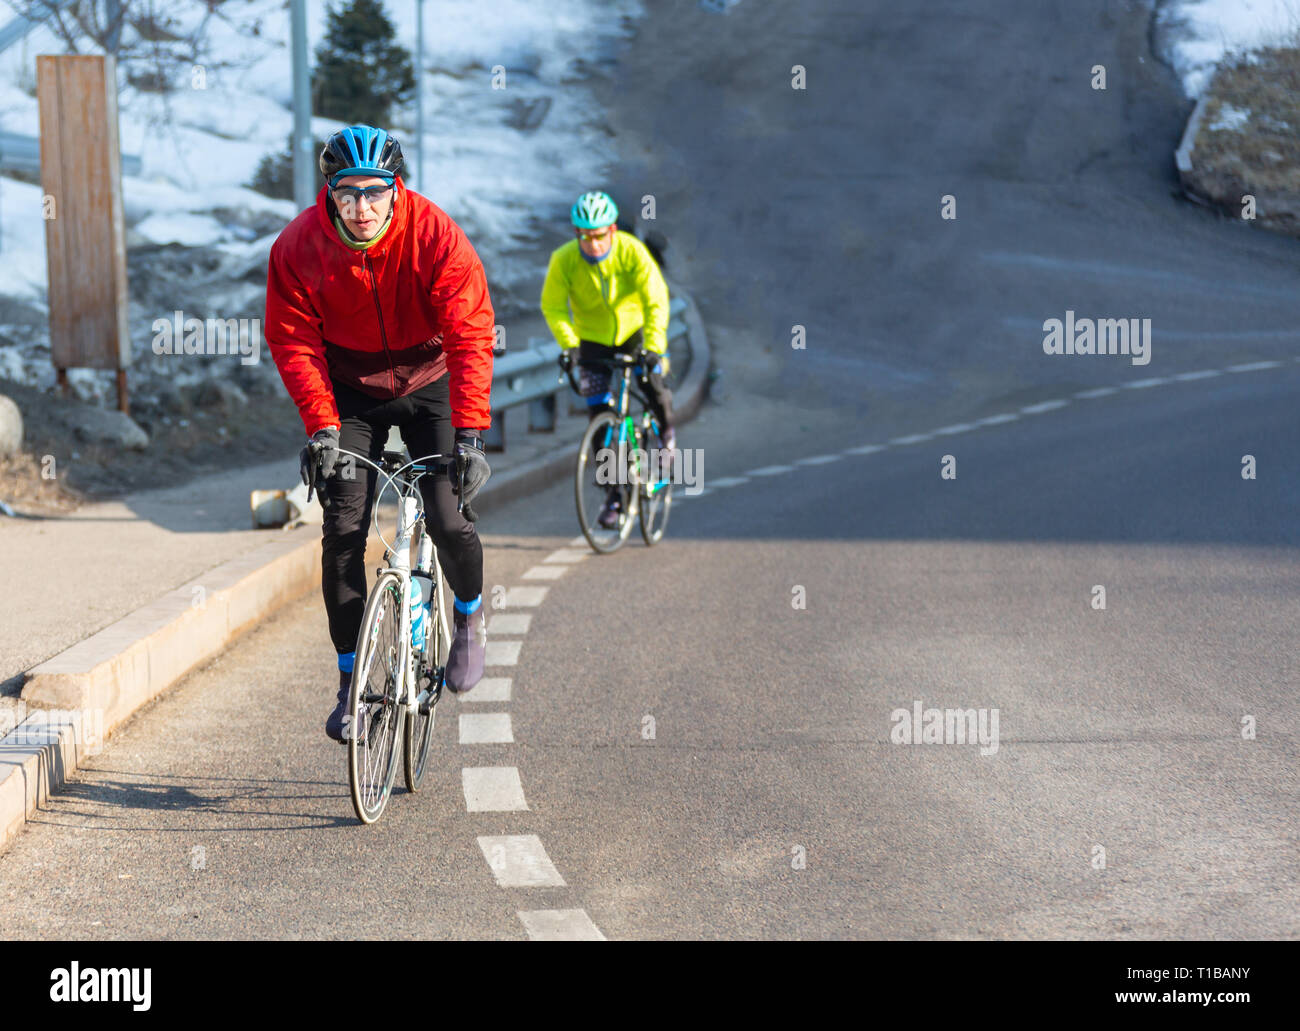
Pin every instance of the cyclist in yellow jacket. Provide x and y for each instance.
(604, 293)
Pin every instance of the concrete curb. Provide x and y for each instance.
(85, 693)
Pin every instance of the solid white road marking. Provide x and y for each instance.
(485, 728)
(502, 653)
(524, 597)
(545, 572)
(1088, 395)
(818, 460)
(493, 789)
(1143, 384)
(578, 542)
(1253, 366)
(489, 689)
(1044, 406)
(567, 555)
(1183, 377)
(728, 481)
(997, 420)
(560, 925)
(770, 470)
(961, 427)
(914, 438)
(519, 861)
(864, 449)
(506, 623)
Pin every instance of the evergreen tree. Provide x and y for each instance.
(361, 73)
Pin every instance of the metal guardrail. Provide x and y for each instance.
(21, 153)
(531, 377)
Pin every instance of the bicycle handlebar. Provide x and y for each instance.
(410, 482)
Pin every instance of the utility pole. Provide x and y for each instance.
(419, 97)
(304, 160)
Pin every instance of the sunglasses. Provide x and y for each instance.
(370, 193)
(594, 234)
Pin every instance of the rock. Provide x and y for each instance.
(11, 427)
(220, 393)
(106, 426)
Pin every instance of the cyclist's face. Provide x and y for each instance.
(596, 242)
(364, 216)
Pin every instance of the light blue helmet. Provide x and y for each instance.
(360, 150)
(594, 210)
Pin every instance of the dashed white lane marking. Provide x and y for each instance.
(560, 925)
(728, 481)
(493, 789)
(1184, 377)
(1143, 384)
(502, 653)
(997, 420)
(545, 572)
(913, 438)
(818, 460)
(1044, 406)
(1088, 395)
(864, 449)
(567, 555)
(519, 861)
(578, 542)
(1253, 366)
(510, 622)
(489, 689)
(771, 470)
(486, 728)
(961, 427)
(524, 597)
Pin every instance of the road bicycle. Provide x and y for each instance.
(397, 678)
(621, 451)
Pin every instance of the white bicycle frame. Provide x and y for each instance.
(397, 557)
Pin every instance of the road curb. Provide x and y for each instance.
(83, 694)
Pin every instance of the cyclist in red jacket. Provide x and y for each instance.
(377, 314)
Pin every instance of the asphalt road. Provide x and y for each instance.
(701, 758)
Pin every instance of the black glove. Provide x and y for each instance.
(316, 462)
(471, 468)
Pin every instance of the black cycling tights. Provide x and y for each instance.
(424, 420)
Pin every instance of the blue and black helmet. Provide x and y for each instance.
(360, 150)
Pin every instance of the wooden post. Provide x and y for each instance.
(85, 240)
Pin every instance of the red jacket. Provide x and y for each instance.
(387, 320)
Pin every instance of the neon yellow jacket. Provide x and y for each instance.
(609, 300)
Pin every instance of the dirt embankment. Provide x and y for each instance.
(1241, 151)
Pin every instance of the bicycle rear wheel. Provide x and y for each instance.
(377, 684)
(603, 456)
(432, 669)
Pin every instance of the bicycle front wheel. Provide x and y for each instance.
(656, 502)
(600, 475)
(431, 670)
(378, 680)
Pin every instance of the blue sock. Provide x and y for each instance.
(346, 659)
(469, 606)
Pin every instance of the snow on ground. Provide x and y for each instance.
(201, 144)
(1197, 34)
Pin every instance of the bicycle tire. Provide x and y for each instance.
(602, 541)
(382, 648)
(420, 724)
